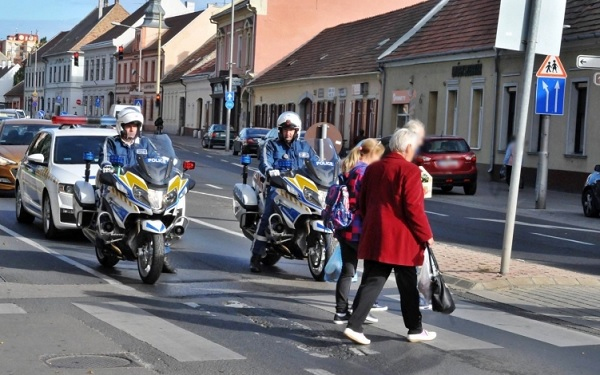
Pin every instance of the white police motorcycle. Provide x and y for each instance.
(136, 209)
(296, 229)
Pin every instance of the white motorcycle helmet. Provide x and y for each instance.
(128, 116)
(288, 120)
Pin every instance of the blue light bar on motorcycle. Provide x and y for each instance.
(88, 156)
(117, 160)
(246, 160)
(284, 165)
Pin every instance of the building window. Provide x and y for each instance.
(402, 116)
(509, 109)
(342, 117)
(239, 51)
(145, 71)
(265, 116)
(330, 117)
(68, 73)
(98, 67)
(372, 105)
(103, 68)
(273, 116)
(280, 109)
(118, 73)
(291, 107)
(153, 71)
(220, 59)
(476, 119)
(451, 111)
(111, 68)
(357, 118)
(257, 116)
(85, 70)
(320, 112)
(577, 119)
(91, 70)
(248, 49)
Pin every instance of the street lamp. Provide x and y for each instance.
(139, 72)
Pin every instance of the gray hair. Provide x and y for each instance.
(402, 138)
(415, 126)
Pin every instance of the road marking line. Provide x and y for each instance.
(501, 221)
(68, 260)
(239, 165)
(436, 214)
(196, 152)
(210, 195)
(204, 223)
(250, 168)
(193, 305)
(181, 344)
(317, 371)
(11, 308)
(209, 156)
(563, 239)
(214, 186)
(225, 161)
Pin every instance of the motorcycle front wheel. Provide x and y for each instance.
(319, 255)
(150, 261)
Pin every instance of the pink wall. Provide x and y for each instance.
(289, 24)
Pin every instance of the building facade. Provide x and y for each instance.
(17, 47)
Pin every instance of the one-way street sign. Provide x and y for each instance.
(550, 96)
(588, 62)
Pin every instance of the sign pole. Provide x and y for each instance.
(230, 87)
(542, 170)
(513, 195)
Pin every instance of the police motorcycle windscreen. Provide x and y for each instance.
(155, 165)
(323, 171)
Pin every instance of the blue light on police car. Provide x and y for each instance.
(88, 156)
(246, 160)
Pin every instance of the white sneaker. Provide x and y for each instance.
(423, 336)
(377, 307)
(358, 338)
(370, 319)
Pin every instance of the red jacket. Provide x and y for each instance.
(395, 226)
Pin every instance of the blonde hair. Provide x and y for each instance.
(367, 147)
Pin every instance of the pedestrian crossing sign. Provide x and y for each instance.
(552, 67)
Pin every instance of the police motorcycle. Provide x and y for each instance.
(136, 209)
(296, 229)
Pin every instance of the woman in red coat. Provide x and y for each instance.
(395, 231)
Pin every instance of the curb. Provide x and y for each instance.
(519, 282)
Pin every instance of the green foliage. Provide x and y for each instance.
(20, 76)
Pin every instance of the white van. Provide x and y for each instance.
(116, 108)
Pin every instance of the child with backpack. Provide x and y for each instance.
(346, 221)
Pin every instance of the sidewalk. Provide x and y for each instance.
(555, 293)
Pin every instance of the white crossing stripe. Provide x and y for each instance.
(11, 308)
(317, 371)
(216, 227)
(172, 340)
(446, 340)
(562, 239)
(210, 195)
(533, 329)
(214, 186)
(436, 213)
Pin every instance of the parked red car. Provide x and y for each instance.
(450, 162)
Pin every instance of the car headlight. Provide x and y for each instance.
(65, 188)
(170, 198)
(4, 161)
(155, 198)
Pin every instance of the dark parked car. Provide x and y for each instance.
(590, 197)
(215, 136)
(247, 141)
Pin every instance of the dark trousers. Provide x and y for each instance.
(349, 263)
(373, 280)
(508, 174)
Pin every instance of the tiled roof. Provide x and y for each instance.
(51, 43)
(192, 61)
(348, 48)
(470, 25)
(175, 24)
(17, 90)
(209, 67)
(117, 31)
(5, 70)
(76, 36)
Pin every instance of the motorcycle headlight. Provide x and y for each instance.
(4, 161)
(170, 198)
(291, 190)
(65, 188)
(155, 198)
(312, 196)
(141, 195)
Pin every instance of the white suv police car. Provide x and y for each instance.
(52, 164)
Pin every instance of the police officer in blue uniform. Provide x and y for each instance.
(286, 147)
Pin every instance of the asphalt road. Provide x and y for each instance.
(214, 317)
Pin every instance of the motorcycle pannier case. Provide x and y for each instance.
(244, 202)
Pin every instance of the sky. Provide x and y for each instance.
(49, 17)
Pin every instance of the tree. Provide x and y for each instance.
(20, 75)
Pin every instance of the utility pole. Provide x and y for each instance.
(158, 62)
(511, 210)
(542, 170)
(230, 86)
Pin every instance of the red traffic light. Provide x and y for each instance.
(76, 58)
(120, 52)
(188, 165)
(157, 100)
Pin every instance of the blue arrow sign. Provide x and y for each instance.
(550, 96)
(229, 104)
(58, 99)
(229, 96)
(97, 102)
(41, 114)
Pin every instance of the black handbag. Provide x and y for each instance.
(441, 298)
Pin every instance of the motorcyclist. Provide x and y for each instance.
(286, 147)
(129, 143)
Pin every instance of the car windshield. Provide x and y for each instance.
(19, 135)
(70, 149)
(219, 128)
(255, 133)
(443, 146)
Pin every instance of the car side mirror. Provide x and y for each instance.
(597, 168)
(106, 179)
(36, 158)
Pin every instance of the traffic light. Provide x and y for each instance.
(76, 58)
(158, 100)
(120, 52)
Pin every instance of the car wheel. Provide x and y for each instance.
(210, 145)
(22, 215)
(470, 189)
(50, 230)
(203, 143)
(587, 201)
(447, 189)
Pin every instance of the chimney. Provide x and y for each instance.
(99, 9)
(105, 3)
(190, 6)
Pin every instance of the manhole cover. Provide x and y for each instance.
(86, 361)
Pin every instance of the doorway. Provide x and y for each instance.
(306, 109)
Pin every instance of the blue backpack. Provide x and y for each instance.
(337, 213)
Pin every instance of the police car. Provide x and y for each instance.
(52, 164)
